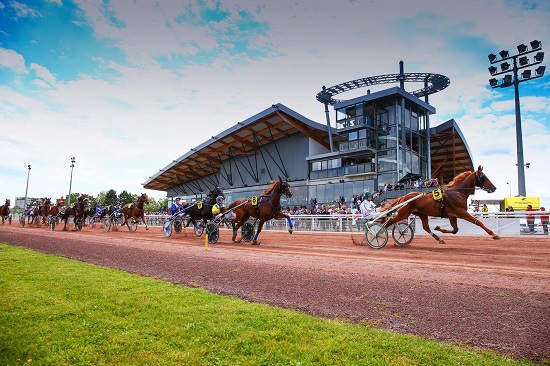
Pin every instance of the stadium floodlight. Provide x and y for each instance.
(523, 61)
(510, 64)
(507, 81)
(522, 48)
(535, 45)
(539, 71)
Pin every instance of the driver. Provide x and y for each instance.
(177, 206)
(368, 208)
(218, 207)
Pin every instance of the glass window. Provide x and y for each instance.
(316, 166)
(362, 133)
(352, 135)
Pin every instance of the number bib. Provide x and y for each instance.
(437, 194)
(254, 200)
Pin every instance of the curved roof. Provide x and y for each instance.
(450, 154)
(205, 159)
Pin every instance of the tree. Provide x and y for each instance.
(126, 197)
(110, 197)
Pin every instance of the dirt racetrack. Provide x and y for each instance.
(472, 290)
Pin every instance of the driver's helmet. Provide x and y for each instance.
(219, 198)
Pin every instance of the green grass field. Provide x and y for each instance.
(55, 311)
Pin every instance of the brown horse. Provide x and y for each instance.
(135, 211)
(78, 211)
(268, 207)
(453, 204)
(5, 212)
(45, 208)
(56, 211)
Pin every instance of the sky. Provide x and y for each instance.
(125, 87)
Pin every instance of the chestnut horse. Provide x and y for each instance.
(267, 207)
(45, 209)
(5, 211)
(453, 204)
(135, 211)
(78, 211)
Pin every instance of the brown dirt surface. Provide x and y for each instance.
(473, 290)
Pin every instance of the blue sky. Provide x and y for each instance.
(126, 87)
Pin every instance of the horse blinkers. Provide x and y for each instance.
(484, 183)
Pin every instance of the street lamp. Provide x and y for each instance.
(514, 79)
(27, 189)
(71, 183)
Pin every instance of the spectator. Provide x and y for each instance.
(485, 209)
(508, 210)
(530, 220)
(544, 221)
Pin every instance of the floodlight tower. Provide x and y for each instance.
(520, 61)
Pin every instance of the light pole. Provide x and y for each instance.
(513, 79)
(27, 189)
(71, 182)
(509, 186)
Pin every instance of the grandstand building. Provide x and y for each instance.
(377, 138)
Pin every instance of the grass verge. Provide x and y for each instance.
(55, 311)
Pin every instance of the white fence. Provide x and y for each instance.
(501, 223)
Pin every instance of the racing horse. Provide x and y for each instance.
(5, 211)
(56, 211)
(266, 208)
(202, 210)
(452, 205)
(78, 211)
(135, 211)
(45, 209)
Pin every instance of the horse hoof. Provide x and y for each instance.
(442, 241)
(438, 228)
(290, 231)
(255, 242)
(496, 237)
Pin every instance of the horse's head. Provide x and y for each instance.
(8, 202)
(143, 198)
(284, 188)
(483, 182)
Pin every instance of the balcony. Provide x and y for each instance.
(348, 170)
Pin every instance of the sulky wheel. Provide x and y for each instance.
(247, 231)
(402, 233)
(22, 221)
(377, 235)
(91, 221)
(132, 224)
(178, 225)
(167, 229)
(198, 227)
(52, 223)
(9, 220)
(107, 224)
(213, 232)
(79, 224)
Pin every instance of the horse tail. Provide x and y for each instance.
(398, 200)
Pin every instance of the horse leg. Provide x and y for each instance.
(454, 224)
(426, 228)
(260, 225)
(237, 226)
(466, 216)
(145, 222)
